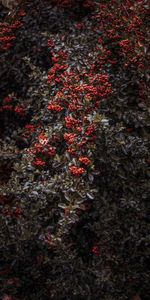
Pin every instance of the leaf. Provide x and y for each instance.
(90, 196)
(62, 205)
(97, 118)
(90, 177)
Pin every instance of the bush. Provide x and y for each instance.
(74, 169)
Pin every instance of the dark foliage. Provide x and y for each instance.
(101, 250)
